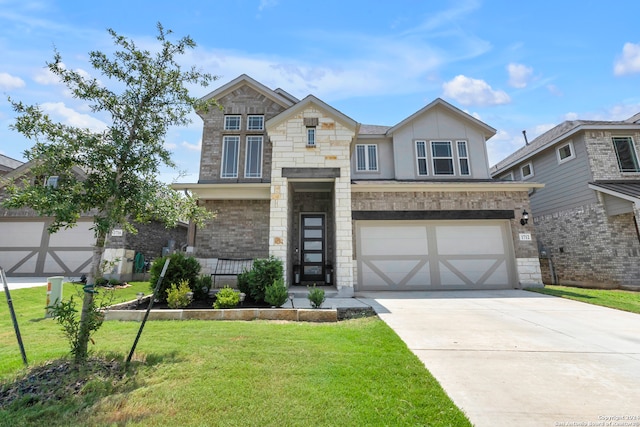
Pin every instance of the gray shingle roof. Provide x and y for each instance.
(373, 129)
(627, 187)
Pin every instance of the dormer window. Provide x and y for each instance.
(232, 122)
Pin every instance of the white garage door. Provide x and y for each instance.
(434, 255)
(27, 249)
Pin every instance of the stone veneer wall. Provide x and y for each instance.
(240, 230)
(526, 252)
(332, 150)
(242, 101)
(589, 248)
(150, 239)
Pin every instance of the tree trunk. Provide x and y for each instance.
(81, 350)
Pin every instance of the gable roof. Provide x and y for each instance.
(558, 134)
(8, 164)
(26, 167)
(309, 100)
(488, 130)
(242, 80)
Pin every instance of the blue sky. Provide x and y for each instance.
(514, 65)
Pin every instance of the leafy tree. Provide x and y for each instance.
(141, 95)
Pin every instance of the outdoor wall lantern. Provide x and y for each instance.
(525, 217)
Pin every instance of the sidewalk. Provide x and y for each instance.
(23, 282)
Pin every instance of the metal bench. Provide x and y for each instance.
(231, 267)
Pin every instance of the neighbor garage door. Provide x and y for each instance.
(434, 255)
(27, 249)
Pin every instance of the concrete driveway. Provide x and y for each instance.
(517, 358)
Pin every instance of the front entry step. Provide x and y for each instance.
(300, 291)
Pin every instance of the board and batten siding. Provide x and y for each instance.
(438, 124)
(565, 184)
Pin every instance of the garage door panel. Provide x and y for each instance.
(20, 234)
(424, 255)
(477, 240)
(80, 235)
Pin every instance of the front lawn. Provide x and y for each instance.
(194, 373)
(612, 298)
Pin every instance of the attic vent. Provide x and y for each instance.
(310, 121)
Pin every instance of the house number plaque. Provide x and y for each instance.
(525, 236)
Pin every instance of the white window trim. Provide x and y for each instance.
(452, 158)
(507, 177)
(246, 160)
(425, 157)
(249, 121)
(239, 122)
(457, 153)
(570, 157)
(311, 143)
(635, 152)
(224, 149)
(367, 161)
(530, 164)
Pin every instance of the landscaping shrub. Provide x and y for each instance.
(244, 279)
(226, 298)
(264, 272)
(177, 295)
(316, 296)
(180, 268)
(276, 294)
(202, 287)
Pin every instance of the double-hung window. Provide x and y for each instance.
(421, 157)
(232, 122)
(253, 161)
(463, 158)
(230, 152)
(442, 157)
(367, 157)
(255, 123)
(626, 154)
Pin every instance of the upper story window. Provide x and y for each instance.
(255, 123)
(442, 157)
(232, 122)
(366, 157)
(527, 170)
(230, 152)
(565, 152)
(253, 160)
(421, 157)
(463, 158)
(507, 177)
(626, 154)
(311, 136)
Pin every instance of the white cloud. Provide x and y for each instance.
(629, 63)
(468, 91)
(46, 77)
(170, 145)
(519, 75)
(7, 81)
(72, 118)
(554, 90)
(192, 147)
(265, 4)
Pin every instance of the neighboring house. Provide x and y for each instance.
(27, 248)
(586, 217)
(360, 207)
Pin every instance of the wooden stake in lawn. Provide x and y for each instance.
(13, 316)
(146, 315)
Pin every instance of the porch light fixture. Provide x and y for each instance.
(525, 217)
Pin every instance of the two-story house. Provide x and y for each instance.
(360, 207)
(586, 216)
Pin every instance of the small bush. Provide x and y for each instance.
(226, 298)
(316, 296)
(202, 287)
(264, 272)
(276, 294)
(181, 267)
(177, 295)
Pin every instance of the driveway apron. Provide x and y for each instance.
(518, 358)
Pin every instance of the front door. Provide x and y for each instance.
(313, 247)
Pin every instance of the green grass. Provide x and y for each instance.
(196, 373)
(612, 298)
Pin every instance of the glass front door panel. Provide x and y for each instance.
(312, 243)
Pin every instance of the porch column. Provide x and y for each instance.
(343, 270)
(279, 219)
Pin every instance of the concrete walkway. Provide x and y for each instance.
(517, 358)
